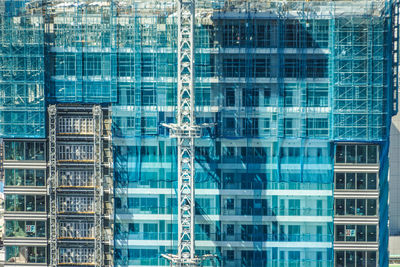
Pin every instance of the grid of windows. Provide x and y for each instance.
(76, 255)
(24, 177)
(75, 152)
(25, 203)
(75, 204)
(78, 125)
(355, 181)
(357, 154)
(75, 229)
(359, 207)
(75, 177)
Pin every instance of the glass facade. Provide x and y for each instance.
(294, 90)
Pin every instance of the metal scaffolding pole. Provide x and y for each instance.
(52, 185)
(98, 188)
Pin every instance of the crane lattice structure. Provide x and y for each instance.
(186, 131)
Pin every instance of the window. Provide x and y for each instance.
(350, 206)
(359, 207)
(31, 203)
(294, 207)
(289, 127)
(75, 177)
(230, 203)
(339, 233)
(77, 125)
(371, 181)
(250, 126)
(360, 233)
(250, 97)
(317, 68)
(350, 154)
(371, 207)
(352, 181)
(340, 154)
(16, 150)
(340, 180)
(230, 229)
(357, 154)
(234, 67)
(262, 67)
(355, 258)
(25, 228)
(80, 255)
(350, 259)
(350, 233)
(25, 254)
(372, 154)
(234, 34)
(230, 255)
(317, 127)
(75, 204)
(21, 177)
(75, 152)
(230, 97)
(317, 95)
(361, 181)
(339, 207)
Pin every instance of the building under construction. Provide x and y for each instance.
(289, 105)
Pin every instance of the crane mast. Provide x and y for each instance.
(185, 131)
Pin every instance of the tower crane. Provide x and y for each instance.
(185, 131)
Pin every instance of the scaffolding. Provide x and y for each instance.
(79, 181)
(283, 82)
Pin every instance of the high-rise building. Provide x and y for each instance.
(292, 170)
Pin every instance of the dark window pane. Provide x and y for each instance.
(19, 150)
(350, 259)
(360, 232)
(361, 181)
(29, 177)
(230, 229)
(40, 203)
(371, 207)
(40, 178)
(372, 181)
(40, 229)
(350, 180)
(340, 152)
(371, 257)
(340, 180)
(9, 175)
(339, 259)
(30, 203)
(339, 206)
(29, 151)
(20, 203)
(41, 254)
(361, 258)
(372, 154)
(371, 233)
(19, 177)
(339, 233)
(9, 150)
(350, 206)
(361, 154)
(361, 207)
(39, 151)
(350, 154)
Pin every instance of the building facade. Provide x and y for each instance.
(293, 172)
